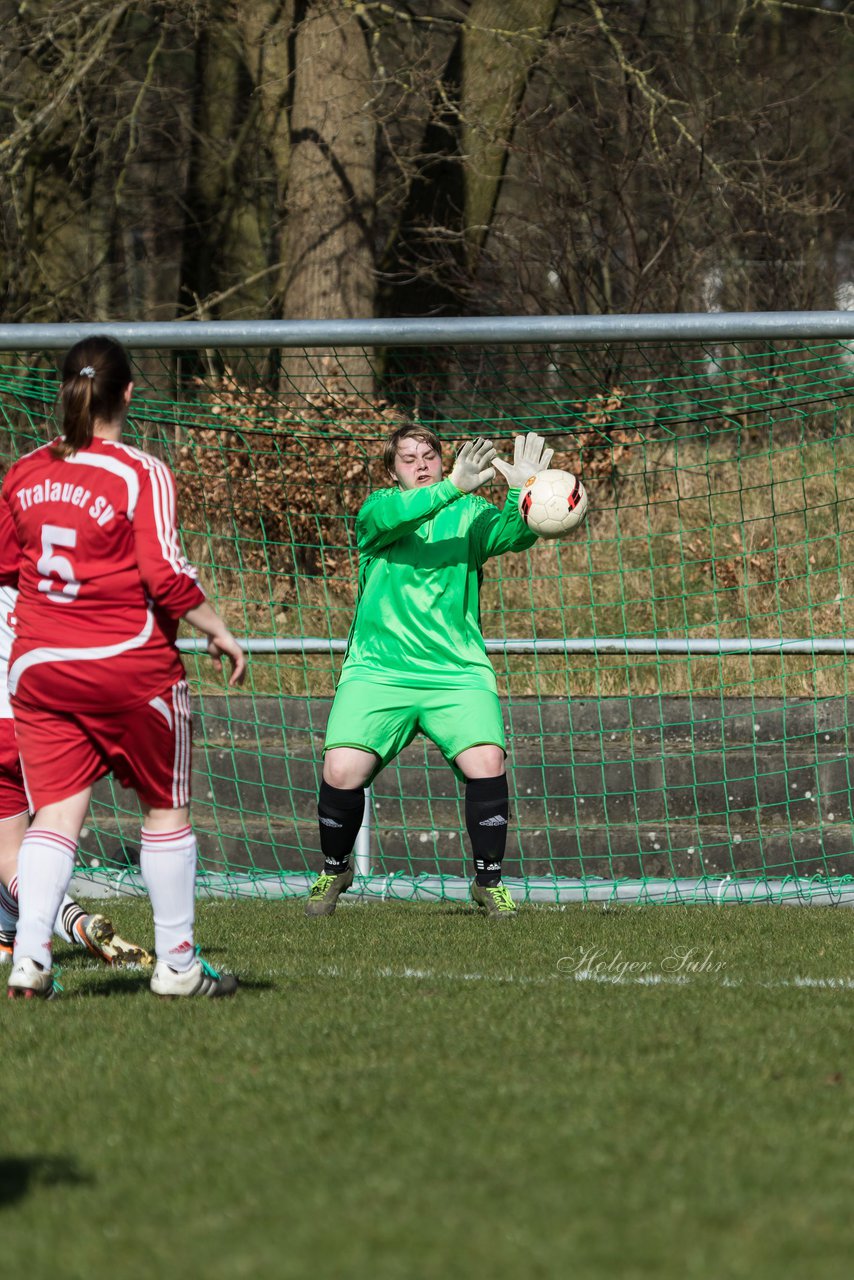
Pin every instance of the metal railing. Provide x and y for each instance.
(671, 327)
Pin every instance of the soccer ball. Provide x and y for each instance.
(553, 503)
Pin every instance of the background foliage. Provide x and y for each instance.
(320, 158)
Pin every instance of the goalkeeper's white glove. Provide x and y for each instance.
(473, 466)
(530, 457)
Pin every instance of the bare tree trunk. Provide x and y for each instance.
(267, 28)
(501, 40)
(227, 256)
(330, 193)
(142, 207)
(95, 160)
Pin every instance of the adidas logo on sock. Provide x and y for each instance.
(329, 822)
(497, 821)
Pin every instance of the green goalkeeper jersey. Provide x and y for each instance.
(421, 553)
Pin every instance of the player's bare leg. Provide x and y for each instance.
(487, 811)
(340, 809)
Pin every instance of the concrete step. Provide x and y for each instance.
(700, 721)
(641, 787)
(557, 782)
(670, 849)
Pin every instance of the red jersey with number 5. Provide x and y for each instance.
(91, 543)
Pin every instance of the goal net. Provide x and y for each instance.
(674, 674)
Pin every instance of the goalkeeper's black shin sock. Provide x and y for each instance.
(340, 814)
(487, 811)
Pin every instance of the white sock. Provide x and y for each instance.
(167, 861)
(45, 864)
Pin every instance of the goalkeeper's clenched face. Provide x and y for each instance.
(416, 463)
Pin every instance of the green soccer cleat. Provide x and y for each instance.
(495, 900)
(325, 892)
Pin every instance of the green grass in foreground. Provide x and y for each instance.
(404, 1091)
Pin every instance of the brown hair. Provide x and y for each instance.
(95, 376)
(410, 431)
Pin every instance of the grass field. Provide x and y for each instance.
(404, 1091)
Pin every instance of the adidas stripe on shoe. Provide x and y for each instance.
(201, 979)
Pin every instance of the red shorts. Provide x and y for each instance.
(147, 748)
(13, 797)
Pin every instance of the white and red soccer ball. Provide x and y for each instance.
(553, 503)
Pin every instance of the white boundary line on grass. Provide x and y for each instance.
(582, 975)
(590, 975)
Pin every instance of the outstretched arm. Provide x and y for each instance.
(497, 531)
(166, 573)
(169, 577)
(393, 513)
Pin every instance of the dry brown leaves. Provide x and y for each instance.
(282, 480)
(600, 447)
(726, 571)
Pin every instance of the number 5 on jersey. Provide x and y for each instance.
(53, 566)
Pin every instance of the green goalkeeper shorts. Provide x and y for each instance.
(384, 718)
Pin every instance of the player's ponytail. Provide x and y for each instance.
(95, 376)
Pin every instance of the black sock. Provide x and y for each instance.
(71, 913)
(340, 814)
(487, 811)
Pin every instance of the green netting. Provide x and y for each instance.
(721, 492)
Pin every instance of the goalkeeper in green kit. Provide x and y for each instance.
(416, 661)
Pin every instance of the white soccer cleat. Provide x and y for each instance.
(199, 980)
(29, 980)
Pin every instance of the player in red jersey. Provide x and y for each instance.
(88, 535)
(93, 932)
